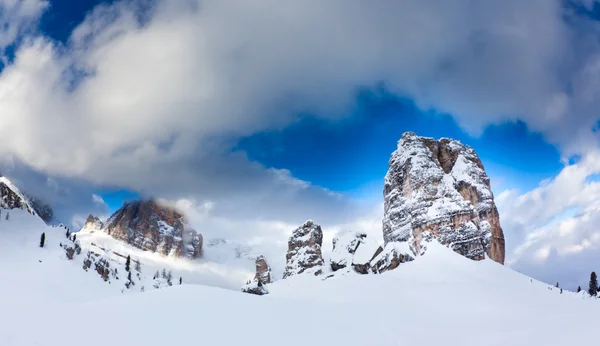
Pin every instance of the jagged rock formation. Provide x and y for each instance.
(439, 189)
(354, 249)
(304, 250)
(390, 258)
(12, 198)
(261, 278)
(153, 226)
(263, 271)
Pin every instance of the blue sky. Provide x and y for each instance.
(351, 156)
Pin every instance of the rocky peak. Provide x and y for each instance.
(153, 226)
(439, 189)
(92, 224)
(304, 250)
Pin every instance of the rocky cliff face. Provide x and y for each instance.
(12, 198)
(304, 250)
(439, 189)
(152, 226)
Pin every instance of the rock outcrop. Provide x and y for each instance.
(390, 258)
(152, 226)
(439, 189)
(356, 250)
(263, 271)
(304, 250)
(261, 278)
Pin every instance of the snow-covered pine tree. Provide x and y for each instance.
(593, 289)
(42, 239)
(128, 264)
(138, 266)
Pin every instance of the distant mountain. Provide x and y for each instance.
(153, 226)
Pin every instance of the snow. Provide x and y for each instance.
(366, 251)
(439, 298)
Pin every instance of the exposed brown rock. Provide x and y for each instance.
(304, 250)
(153, 226)
(439, 190)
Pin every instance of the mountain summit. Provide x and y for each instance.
(439, 189)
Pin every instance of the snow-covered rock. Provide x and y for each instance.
(153, 226)
(344, 248)
(391, 257)
(261, 278)
(354, 249)
(304, 250)
(12, 198)
(440, 188)
(366, 252)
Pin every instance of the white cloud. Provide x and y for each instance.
(551, 231)
(18, 17)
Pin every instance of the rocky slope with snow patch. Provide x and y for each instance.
(440, 190)
(12, 198)
(152, 226)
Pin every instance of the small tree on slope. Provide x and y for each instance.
(128, 263)
(557, 284)
(578, 289)
(42, 239)
(593, 289)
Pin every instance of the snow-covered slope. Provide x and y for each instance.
(440, 298)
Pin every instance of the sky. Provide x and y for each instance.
(255, 116)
